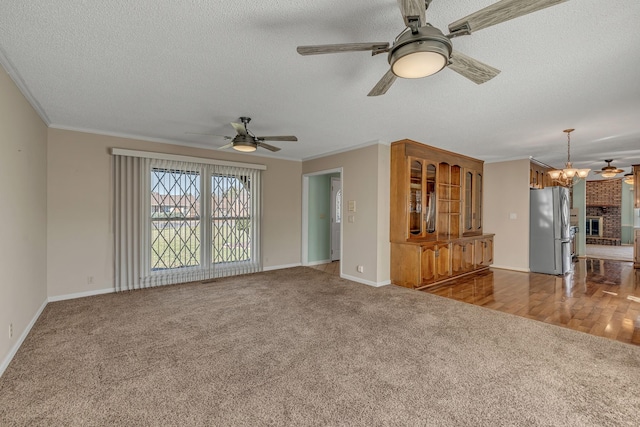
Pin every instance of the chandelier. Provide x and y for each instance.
(565, 176)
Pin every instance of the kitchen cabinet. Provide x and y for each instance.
(539, 176)
(436, 215)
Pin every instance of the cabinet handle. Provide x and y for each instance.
(437, 253)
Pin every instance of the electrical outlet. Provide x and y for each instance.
(10, 330)
(90, 280)
(361, 269)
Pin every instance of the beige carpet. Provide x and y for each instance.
(618, 253)
(302, 347)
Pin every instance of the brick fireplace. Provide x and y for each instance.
(604, 199)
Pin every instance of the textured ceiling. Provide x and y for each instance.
(157, 69)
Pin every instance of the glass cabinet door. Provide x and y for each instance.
(422, 187)
(468, 201)
(478, 202)
(415, 198)
(430, 199)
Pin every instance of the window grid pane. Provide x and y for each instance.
(231, 220)
(175, 219)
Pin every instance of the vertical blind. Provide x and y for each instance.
(178, 220)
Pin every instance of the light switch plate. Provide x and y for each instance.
(352, 205)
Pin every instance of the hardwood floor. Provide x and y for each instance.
(600, 297)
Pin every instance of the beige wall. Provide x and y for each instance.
(507, 194)
(79, 243)
(365, 180)
(23, 258)
(384, 213)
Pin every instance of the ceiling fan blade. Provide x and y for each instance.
(267, 146)
(476, 71)
(412, 10)
(239, 127)
(345, 47)
(289, 138)
(224, 147)
(208, 134)
(383, 84)
(496, 13)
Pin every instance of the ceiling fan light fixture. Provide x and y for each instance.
(608, 174)
(423, 54)
(629, 179)
(244, 144)
(416, 64)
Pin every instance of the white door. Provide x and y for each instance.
(336, 217)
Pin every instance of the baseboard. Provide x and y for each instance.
(280, 267)
(23, 336)
(81, 294)
(324, 261)
(365, 282)
(505, 267)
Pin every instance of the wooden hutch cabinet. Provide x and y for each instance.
(436, 215)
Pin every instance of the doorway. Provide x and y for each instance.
(336, 217)
(608, 224)
(322, 217)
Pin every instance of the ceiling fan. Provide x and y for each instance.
(609, 171)
(421, 50)
(247, 142)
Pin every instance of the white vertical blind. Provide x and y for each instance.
(210, 229)
(129, 220)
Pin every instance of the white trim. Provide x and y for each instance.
(81, 294)
(22, 87)
(280, 267)
(305, 213)
(324, 172)
(346, 149)
(23, 336)
(506, 267)
(304, 253)
(324, 261)
(365, 282)
(181, 143)
(179, 158)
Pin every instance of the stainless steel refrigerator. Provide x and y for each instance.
(549, 236)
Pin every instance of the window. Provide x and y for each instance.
(176, 227)
(175, 219)
(231, 218)
(179, 221)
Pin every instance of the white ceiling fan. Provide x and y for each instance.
(421, 50)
